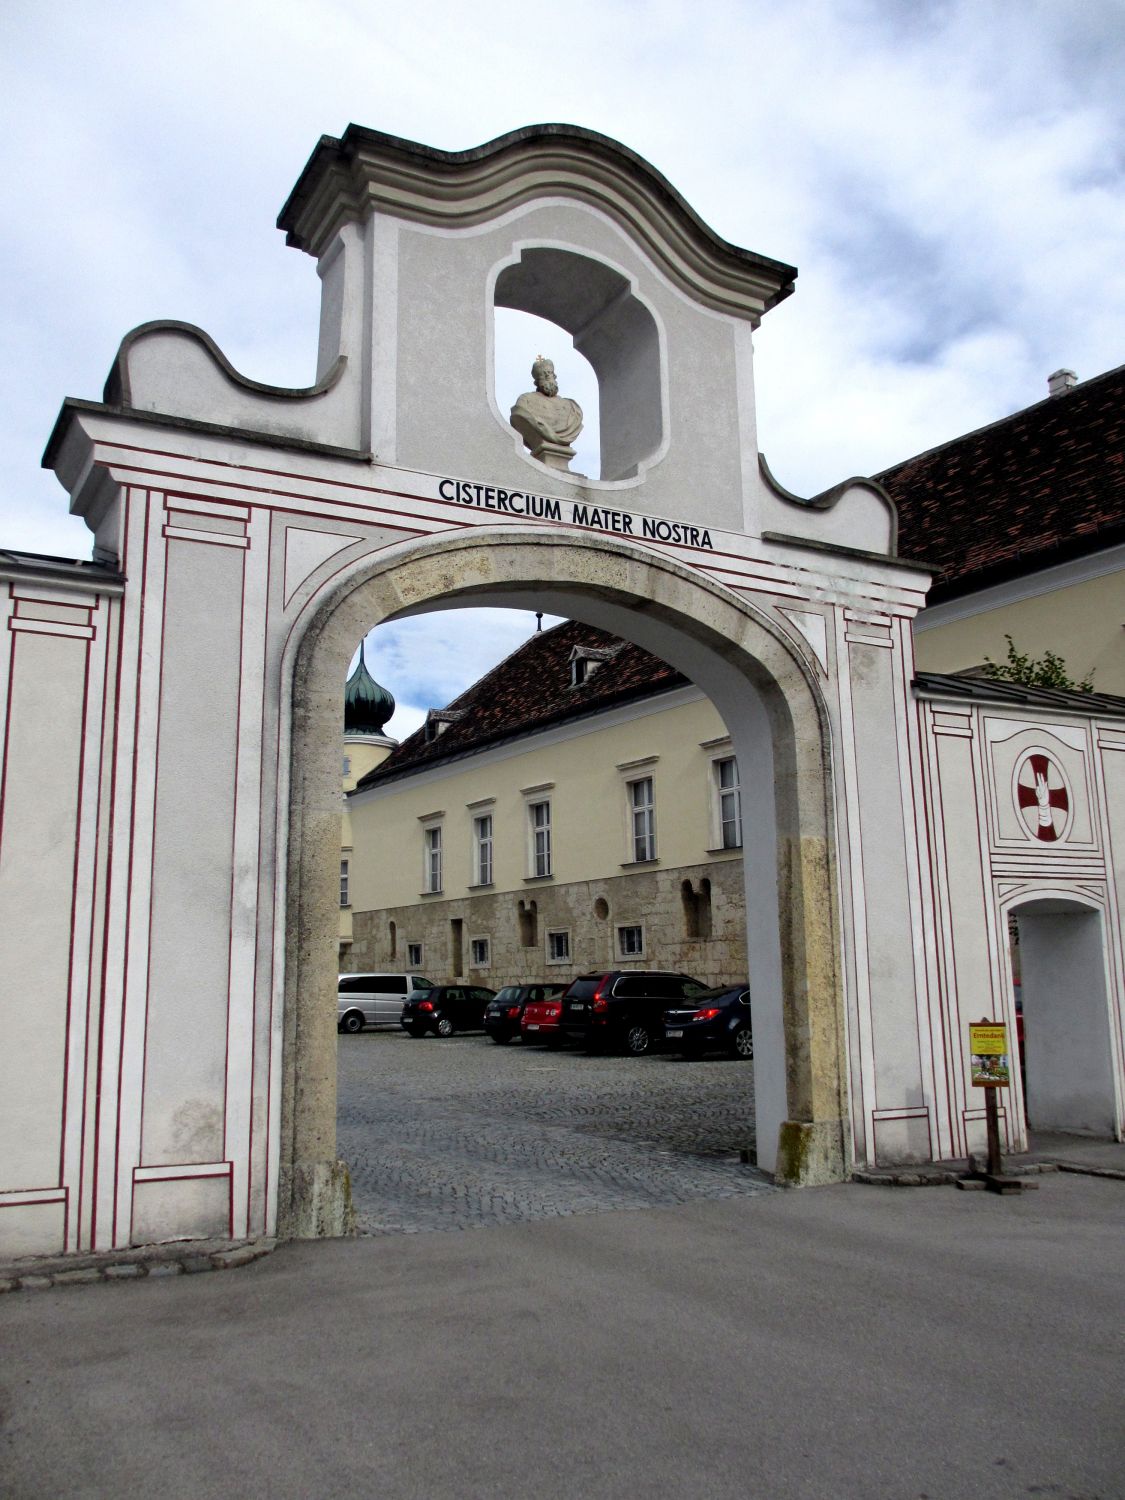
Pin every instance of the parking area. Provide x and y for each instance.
(459, 1133)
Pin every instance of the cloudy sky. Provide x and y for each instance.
(947, 175)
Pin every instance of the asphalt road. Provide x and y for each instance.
(459, 1133)
(857, 1342)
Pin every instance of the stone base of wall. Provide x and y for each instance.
(687, 927)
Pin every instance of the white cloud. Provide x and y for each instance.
(426, 661)
(947, 176)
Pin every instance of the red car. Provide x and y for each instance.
(540, 1021)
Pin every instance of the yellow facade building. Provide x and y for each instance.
(1024, 522)
(577, 806)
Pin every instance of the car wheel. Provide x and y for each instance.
(445, 1026)
(352, 1022)
(742, 1043)
(638, 1040)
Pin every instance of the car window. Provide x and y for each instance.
(481, 994)
(691, 988)
(355, 985)
(534, 993)
(630, 985)
(674, 986)
(453, 993)
(391, 984)
(509, 992)
(421, 984)
(744, 998)
(583, 989)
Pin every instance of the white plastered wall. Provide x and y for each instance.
(988, 863)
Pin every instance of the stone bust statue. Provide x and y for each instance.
(547, 422)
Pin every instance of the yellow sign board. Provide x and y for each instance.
(988, 1049)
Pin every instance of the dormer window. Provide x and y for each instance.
(585, 661)
(438, 721)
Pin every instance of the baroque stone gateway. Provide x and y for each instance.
(170, 875)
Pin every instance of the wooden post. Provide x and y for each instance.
(992, 1121)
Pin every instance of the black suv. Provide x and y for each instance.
(624, 1008)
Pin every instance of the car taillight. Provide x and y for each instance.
(601, 1001)
(707, 1015)
(552, 1010)
(425, 1005)
(513, 1010)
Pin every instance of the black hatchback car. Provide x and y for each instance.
(624, 1008)
(716, 1021)
(504, 1011)
(445, 1009)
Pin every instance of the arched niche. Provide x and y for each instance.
(612, 328)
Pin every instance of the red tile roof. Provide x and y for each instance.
(1032, 490)
(529, 691)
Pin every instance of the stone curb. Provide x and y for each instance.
(940, 1177)
(133, 1265)
(1071, 1166)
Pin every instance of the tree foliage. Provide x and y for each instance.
(1047, 671)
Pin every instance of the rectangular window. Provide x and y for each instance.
(414, 955)
(642, 813)
(432, 873)
(482, 849)
(343, 882)
(539, 818)
(729, 797)
(558, 947)
(478, 953)
(631, 941)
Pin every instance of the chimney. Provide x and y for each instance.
(1061, 381)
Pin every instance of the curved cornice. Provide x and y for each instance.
(830, 497)
(346, 179)
(118, 386)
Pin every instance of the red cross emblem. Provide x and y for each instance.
(1042, 798)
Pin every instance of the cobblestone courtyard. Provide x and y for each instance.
(461, 1133)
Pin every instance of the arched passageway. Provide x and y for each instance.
(1068, 1052)
(779, 729)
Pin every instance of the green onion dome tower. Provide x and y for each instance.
(367, 709)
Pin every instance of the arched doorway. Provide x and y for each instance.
(778, 726)
(1067, 1056)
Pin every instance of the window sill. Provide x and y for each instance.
(422, 895)
(735, 849)
(636, 864)
(537, 879)
(487, 886)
